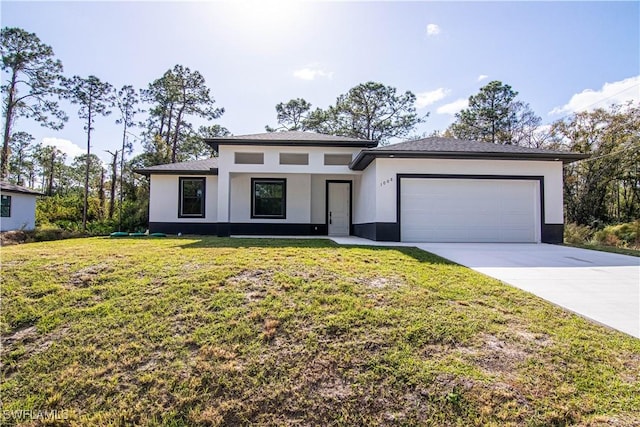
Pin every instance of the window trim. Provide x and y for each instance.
(203, 203)
(9, 198)
(282, 181)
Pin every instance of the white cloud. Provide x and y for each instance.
(64, 145)
(482, 77)
(611, 93)
(453, 107)
(433, 29)
(311, 73)
(427, 98)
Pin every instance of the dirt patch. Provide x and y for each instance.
(89, 275)
(30, 343)
(496, 356)
(254, 282)
(15, 237)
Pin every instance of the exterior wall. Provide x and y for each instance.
(298, 201)
(386, 170)
(163, 200)
(23, 212)
(365, 190)
(234, 202)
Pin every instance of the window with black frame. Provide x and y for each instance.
(192, 196)
(5, 207)
(269, 198)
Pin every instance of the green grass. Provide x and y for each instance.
(211, 331)
(606, 248)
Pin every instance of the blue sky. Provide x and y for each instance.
(560, 57)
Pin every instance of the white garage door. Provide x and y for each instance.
(469, 210)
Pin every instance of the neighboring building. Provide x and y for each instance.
(18, 207)
(303, 183)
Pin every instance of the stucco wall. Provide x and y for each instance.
(364, 199)
(23, 212)
(387, 168)
(234, 180)
(298, 208)
(163, 199)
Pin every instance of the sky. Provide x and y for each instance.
(562, 57)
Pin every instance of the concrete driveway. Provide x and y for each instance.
(601, 286)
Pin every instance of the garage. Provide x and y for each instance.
(461, 209)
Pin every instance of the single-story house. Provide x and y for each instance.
(17, 208)
(303, 183)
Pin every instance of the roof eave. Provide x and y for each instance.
(32, 193)
(365, 157)
(148, 172)
(216, 143)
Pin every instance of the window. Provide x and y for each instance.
(192, 197)
(268, 199)
(337, 159)
(294, 158)
(6, 207)
(249, 158)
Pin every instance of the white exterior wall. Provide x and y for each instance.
(164, 203)
(364, 198)
(305, 183)
(298, 208)
(386, 169)
(23, 212)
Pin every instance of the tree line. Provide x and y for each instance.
(602, 189)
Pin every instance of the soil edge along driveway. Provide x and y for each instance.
(601, 286)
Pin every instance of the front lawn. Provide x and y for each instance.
(211, 331)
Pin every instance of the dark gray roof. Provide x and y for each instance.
(12, 188)
(291, 138)
(196, 167)
(439, 147)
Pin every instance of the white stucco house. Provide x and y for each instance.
(18, 207)
(302, 183)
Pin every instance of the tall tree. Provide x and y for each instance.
(31, 86)
(494, 115)
(606, 187)
(369, 111)
(112, 185)
(51, 161)
(179, 94)
(20, 161)
(291, 115)
(94, 98)
(126, 99)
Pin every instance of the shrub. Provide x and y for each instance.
(627, 234)
(577, 234)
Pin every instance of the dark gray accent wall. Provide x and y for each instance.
(552, 233)
(202, 228)
(378, 231)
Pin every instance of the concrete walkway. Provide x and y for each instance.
(601, 286)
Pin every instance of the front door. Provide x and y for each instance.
(339, 212)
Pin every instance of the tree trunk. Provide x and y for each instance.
(112, 190)
(124, 143)
(51, 172)
(86, 173)
(4, 167)
(176, 132)
(101, 193)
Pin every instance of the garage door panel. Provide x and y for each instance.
(469, 210)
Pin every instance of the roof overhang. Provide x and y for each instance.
(365, 157)
(149, 171)
(217, 142)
